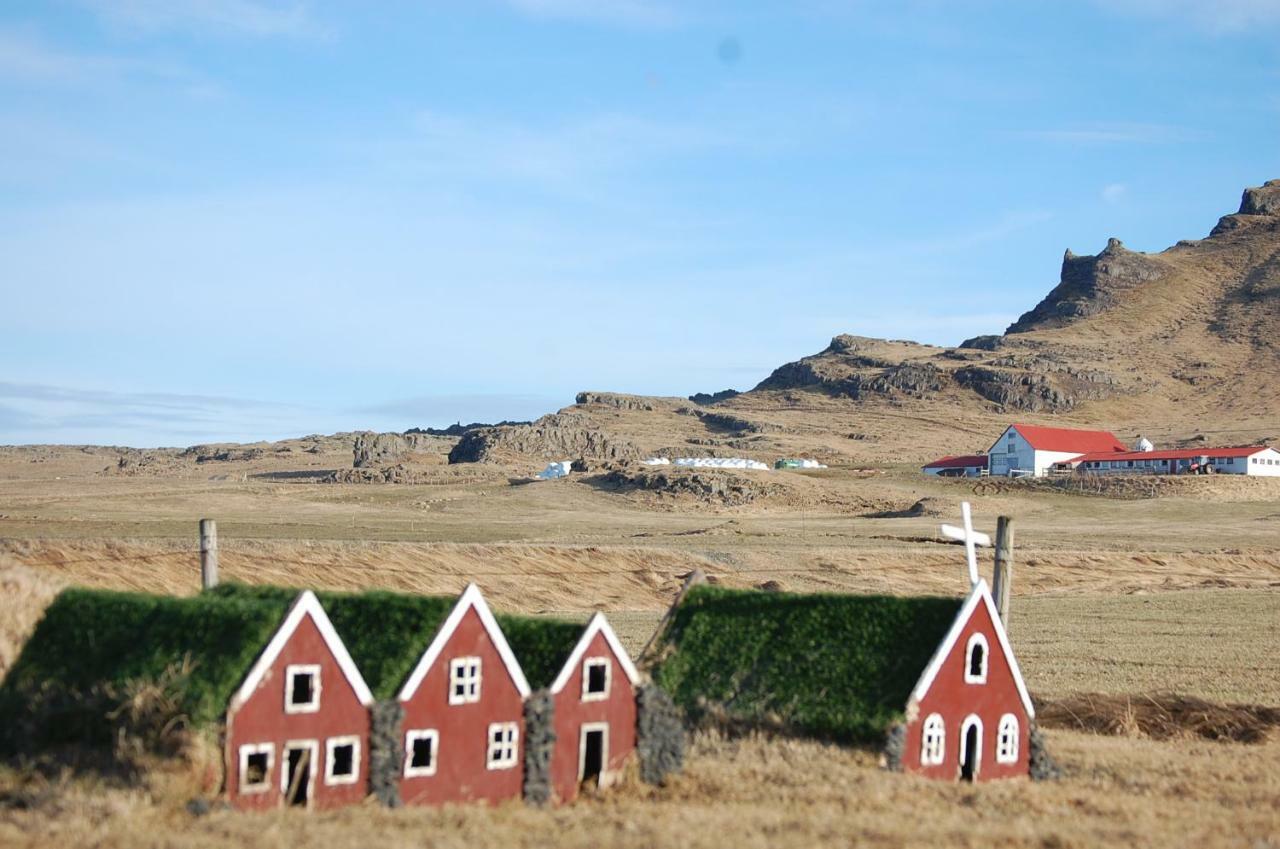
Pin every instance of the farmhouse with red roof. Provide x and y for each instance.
(1241, 460)
(1032, 449)
(958, 466)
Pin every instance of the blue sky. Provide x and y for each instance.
(242, 219)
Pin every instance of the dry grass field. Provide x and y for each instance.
(1122, 596)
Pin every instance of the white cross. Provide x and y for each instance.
(970, 537)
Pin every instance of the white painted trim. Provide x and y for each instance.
(246, 751)
(332, 743)
(314, 746)
(969, 722)
(582, 749)
(598, 625)
(1008, 727)
(938, 755)
(470, 598)
(410, 737)
(511, 737)
(463, 664)
(603, 695)
(293, 669)
(981, 595)
(304, 605)
(977, 639)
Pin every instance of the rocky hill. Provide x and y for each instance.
(1180, 345)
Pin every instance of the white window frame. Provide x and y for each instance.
(413, 736)
(582, 749)
(332, 743)
(312, 669)
(457, 666)
(314, 746)
(970, 721)
(503, 754)
(1007, 739)
(587, 695)
(933, 740)
(264, 786)
(978, 639)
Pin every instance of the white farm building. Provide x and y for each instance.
(1032, 449)
(1244, 460)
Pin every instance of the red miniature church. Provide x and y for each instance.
(970, 714)
(464, 713)
(594, 698)
(298, 727)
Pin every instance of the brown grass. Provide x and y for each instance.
(24, 594)
(1160, 716)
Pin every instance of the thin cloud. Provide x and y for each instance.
(253, 18)
(1114, 192)
(29, 59)
(1109, 134)
(1216, 16)
(643, 13)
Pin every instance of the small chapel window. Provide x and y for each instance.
(975, 667)
(464, 680)
(595, 679)
(933, 741)
(302, 689)
(1007, 740)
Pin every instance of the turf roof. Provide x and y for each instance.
(834, 666)
(91, 644)
(540, 645)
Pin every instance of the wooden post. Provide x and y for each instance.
(1003, 578)
(208, 554)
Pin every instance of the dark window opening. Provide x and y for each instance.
(975, 661)
(593, 756)
(303, 692)
(298, 774)
(344, 760)
(969, 761)
(255, 769)
(424, 753)
(597, 678)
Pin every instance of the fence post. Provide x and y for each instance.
(1003, 578)
(208, 554)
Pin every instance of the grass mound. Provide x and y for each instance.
(1160, 716)
(833, 666)
(540, 645)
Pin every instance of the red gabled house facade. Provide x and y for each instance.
(463, 727)
(969, 716)
(594, 698)
(297, 729)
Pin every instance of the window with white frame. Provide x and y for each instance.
(255, 767)
(464, 680)
(975, 660)
(595, 679)
(1007, 740)
(342, 760)
(421, 752)
(933, 741)
(504, 739)
(302, 688)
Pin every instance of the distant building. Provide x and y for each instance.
(1033, 450)
(961, 466)
(1258, 460)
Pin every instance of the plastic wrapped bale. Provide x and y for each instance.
(894, 742)
(660, 738)
(1043, 766)
(539, 743)
(385, 752)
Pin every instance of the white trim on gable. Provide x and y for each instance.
(598, 625)
(306, 604)
(981, 595)
(470, 598)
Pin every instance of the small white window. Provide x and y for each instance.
(975, 660)
(342, 760)
(302, 688)
(255, 767)
(421, 752)
(1007, 740)
(504, 738)
(933, 741)
(464, 680)
(596, 673)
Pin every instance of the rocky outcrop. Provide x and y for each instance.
(711, 486)
(1089, 285)
(376, 450)
(1263, 200)
(707, 398)
(552, 437)
(616, 400)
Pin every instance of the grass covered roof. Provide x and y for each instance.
(541, 645)
(834, 666)
(92, 645)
